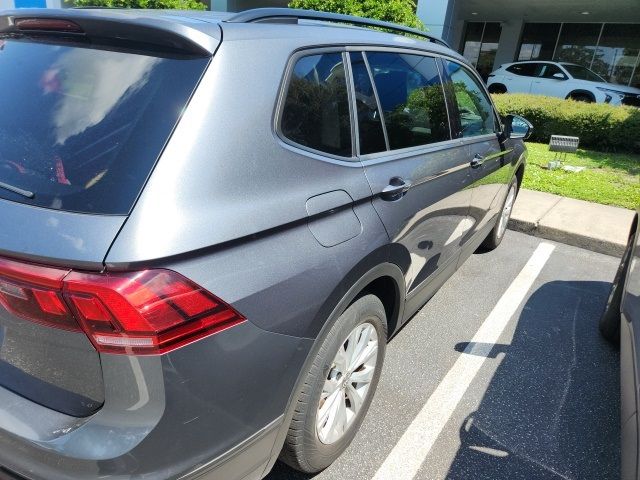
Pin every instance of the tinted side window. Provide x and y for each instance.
(474, 107)
(412, 98)
(370, 130)
(316, 109)
(549, 70)
(523, 69)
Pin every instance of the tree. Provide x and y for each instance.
(396, 11)
(162, 4)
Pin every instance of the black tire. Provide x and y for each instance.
(610, 320)
(303, 449)
(581, 97)
(497, 88)
(494, 239)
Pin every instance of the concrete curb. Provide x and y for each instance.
(576, 240)
(587, 225)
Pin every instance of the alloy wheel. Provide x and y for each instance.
(347, 384)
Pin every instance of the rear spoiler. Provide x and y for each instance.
(161, 30)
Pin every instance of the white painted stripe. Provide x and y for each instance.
(407, 456)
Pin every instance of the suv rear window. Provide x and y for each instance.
(81, 128)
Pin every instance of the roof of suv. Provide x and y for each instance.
(189, 26)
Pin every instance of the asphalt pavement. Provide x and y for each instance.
(539, 400)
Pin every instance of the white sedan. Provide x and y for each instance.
(564, 80)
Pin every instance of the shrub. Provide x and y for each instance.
(396, 11)
(599, 126)
(162, 4)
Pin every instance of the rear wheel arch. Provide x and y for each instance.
(387, 290)
(374, 280)
(384, 261)
(385, 281)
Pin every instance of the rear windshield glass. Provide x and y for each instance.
(81, 128)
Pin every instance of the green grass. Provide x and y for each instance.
(610, 178)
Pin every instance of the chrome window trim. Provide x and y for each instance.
(391, 155)
(353, 111)
(477, 139)
(440, 66)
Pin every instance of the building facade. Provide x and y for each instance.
(601, 35)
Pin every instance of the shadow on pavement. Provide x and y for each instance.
(552, 407)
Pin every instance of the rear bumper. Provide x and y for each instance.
(246, 461)
(210, 410)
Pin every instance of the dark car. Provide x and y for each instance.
(620, 323)
(210, 226)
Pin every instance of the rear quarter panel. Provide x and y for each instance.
(228, 207)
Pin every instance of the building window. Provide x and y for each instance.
(577, 43)
(481, 44)
(611, 50)
(538, 41)
(618, 54)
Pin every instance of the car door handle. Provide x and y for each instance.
(477, 161)
(395, 190)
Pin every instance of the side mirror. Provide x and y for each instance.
(559, 76)
(516, 127)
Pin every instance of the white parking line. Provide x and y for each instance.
(407, 456)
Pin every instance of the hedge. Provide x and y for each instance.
(600, 126)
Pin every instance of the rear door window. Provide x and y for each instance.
(81, 128)
(316, 108)
(412, 98)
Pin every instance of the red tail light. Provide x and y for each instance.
(35, 293)
(146, 312)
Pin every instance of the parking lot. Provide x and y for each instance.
(539, 400)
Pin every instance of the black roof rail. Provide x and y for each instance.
(278, 14)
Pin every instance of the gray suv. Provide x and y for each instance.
(211, 225)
